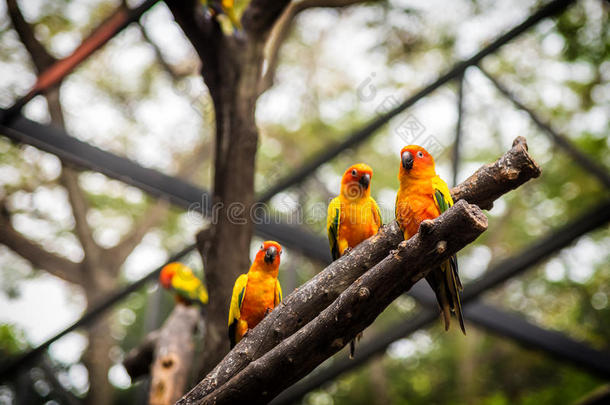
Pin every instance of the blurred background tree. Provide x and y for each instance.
(141, 97)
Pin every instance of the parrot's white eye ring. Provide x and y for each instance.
(420, 154)
(262, 246)
(354, 172)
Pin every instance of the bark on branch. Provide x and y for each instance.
(355, 309)
(514, 168)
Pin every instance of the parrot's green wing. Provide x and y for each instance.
(452, 282)
(278, 293)
(332, 226)
(237, 299)
(189, 287)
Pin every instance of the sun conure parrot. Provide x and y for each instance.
(226, 7)
(353, 216)
(423, 195)
(256, 293)
(179, 278)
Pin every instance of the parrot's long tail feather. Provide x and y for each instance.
(437, 282)
(446, 310)
(453, 285)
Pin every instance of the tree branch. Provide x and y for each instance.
(514, 168)
(167, 67)
(41, 58)
(260, 15)
(36, 255)
(355, 309)
(281, 29)
(79, 206)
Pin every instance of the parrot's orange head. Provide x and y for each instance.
(167, 273)
(356, 181)
(269, 254)
(416, 162)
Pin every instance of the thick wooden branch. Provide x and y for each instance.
(355, 309)
(173, 356)
(37, 255)
(514, 168)
(260, 15)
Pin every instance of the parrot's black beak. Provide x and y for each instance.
(407, 160)
(365, 181)
(270, 255)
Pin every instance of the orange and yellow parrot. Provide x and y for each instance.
(255, 293)
(423, 195)
(353, 216)
(180, 279)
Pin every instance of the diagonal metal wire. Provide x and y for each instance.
(560, 140)
(357, 137)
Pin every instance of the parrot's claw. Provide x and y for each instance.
(347, 251)
(268, 311)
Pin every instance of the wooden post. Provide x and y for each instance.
(173, 356)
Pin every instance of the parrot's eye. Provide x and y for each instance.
(420, 154)
(262, 246)
(354, 172)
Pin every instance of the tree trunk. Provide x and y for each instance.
(98, 362)
(225, 246)
(231, 69)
